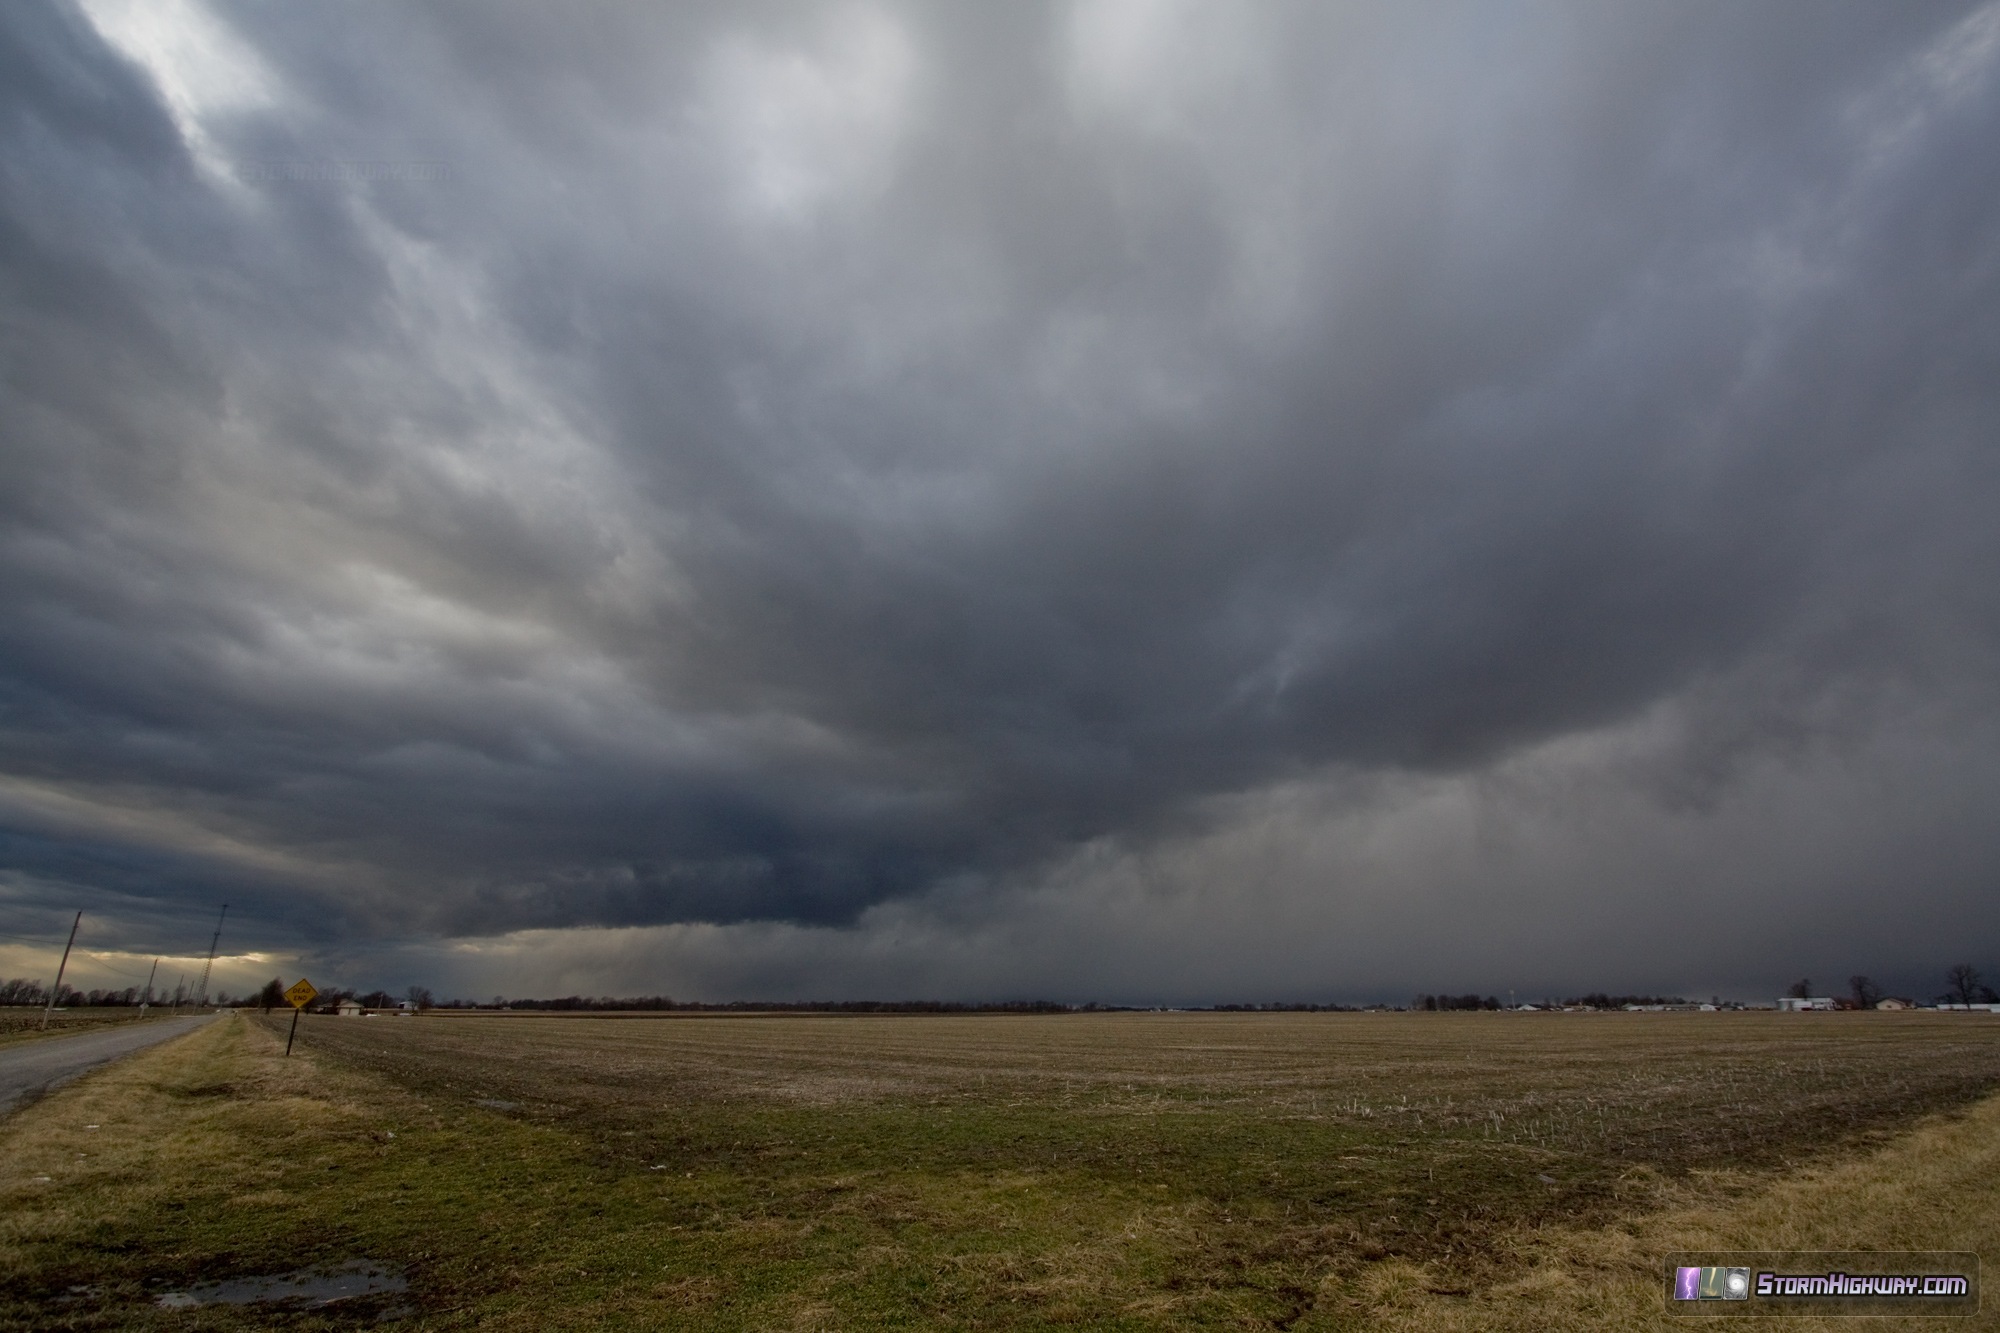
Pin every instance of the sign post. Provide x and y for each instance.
(300, 995)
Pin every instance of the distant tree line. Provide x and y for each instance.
(1431, 1004)
(417, 997)
(270, 996)
(1279, 1008)
(1594, 1000)
(421, 997)
(663, 1002)
(1963, 985)
(273, 995)
(22, 991)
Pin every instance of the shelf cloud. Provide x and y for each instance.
(1111, 500)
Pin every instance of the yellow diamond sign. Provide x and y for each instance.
(302, 994)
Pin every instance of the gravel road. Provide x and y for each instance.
(35, 1066)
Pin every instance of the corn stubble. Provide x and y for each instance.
(1109, 1170)
(22, 1022)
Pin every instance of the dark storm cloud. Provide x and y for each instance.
(470, 470)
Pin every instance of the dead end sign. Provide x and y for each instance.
(300, 995)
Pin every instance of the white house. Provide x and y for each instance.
(1795, 1004)
(348, 1009)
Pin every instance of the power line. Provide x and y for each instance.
(97, 964)
(34, 939)
(106, 967)
(29, 939)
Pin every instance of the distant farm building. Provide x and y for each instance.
(348, 1009)
(1893, 1003)
(1796, 1004)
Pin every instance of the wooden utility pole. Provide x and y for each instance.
(147, 1003)
(56, 989)
(201, 1001)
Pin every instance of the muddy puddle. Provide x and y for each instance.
(305, 1289)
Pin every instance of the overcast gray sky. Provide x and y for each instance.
(1149, 502)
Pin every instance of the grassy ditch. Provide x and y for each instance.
(1123, 1171)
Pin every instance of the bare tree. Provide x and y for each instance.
(1801, 988)
(1963, 983)
(420, 997)
(272, 995)
(1866, 992)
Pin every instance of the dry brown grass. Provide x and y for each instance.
(206, 1156)
(24, 1022)
(1137, 1172)
(1935, 1188)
